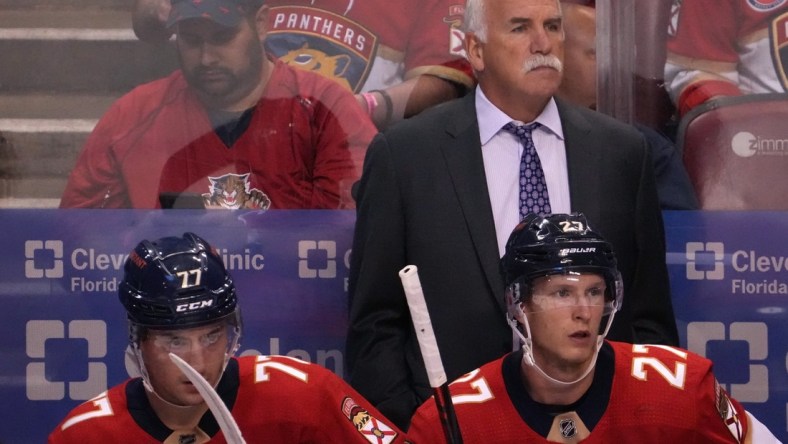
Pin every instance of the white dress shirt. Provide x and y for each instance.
(502, 151)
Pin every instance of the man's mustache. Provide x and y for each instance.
(541, 60)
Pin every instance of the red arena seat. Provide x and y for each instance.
(736, 152)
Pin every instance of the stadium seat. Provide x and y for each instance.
(736, 152)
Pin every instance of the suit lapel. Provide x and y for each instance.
(465, 164)
(583, 161)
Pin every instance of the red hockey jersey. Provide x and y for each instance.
(640, 393)
(726, 47)
(370, 44)
(303, 148)
(274, 399)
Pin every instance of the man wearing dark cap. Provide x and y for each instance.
(400, 58)
(232, 127)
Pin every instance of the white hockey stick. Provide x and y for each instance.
(430, 353)
(232, 433)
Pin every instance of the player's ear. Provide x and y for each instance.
(261, 22)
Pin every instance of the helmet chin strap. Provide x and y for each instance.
(528, 351)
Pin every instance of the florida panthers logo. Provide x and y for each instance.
(321, 41)
(374, 430)
(728, 413)
(456, 35)
(779, 40)
(332, 67)
(233, 191)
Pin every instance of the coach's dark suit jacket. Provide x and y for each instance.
(423, 201)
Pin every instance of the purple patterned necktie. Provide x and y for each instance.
(533, 187)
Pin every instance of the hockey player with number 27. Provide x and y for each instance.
(567, 384)
(180, 299)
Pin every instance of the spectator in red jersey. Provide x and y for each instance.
(568, 383)
(720, 48)
(231, 127)
(398, 57)
(273, 399)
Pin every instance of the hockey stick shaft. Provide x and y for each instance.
(430, 353)
(232, 433)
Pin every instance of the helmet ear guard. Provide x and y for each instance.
(513, 312)
(515, 317)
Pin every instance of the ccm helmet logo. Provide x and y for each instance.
(193, 306)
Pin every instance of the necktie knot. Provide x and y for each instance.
(521, 131)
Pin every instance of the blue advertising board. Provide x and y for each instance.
(729, 281)
(65, 332)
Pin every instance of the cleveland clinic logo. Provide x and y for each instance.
(705, 261)
(746, 144)
(317, 259)
(755, 335)
(46, 341)
(89, 270)
(753, 272)
(43, 259)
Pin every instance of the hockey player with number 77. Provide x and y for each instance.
(567, 384)
(181, 302)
